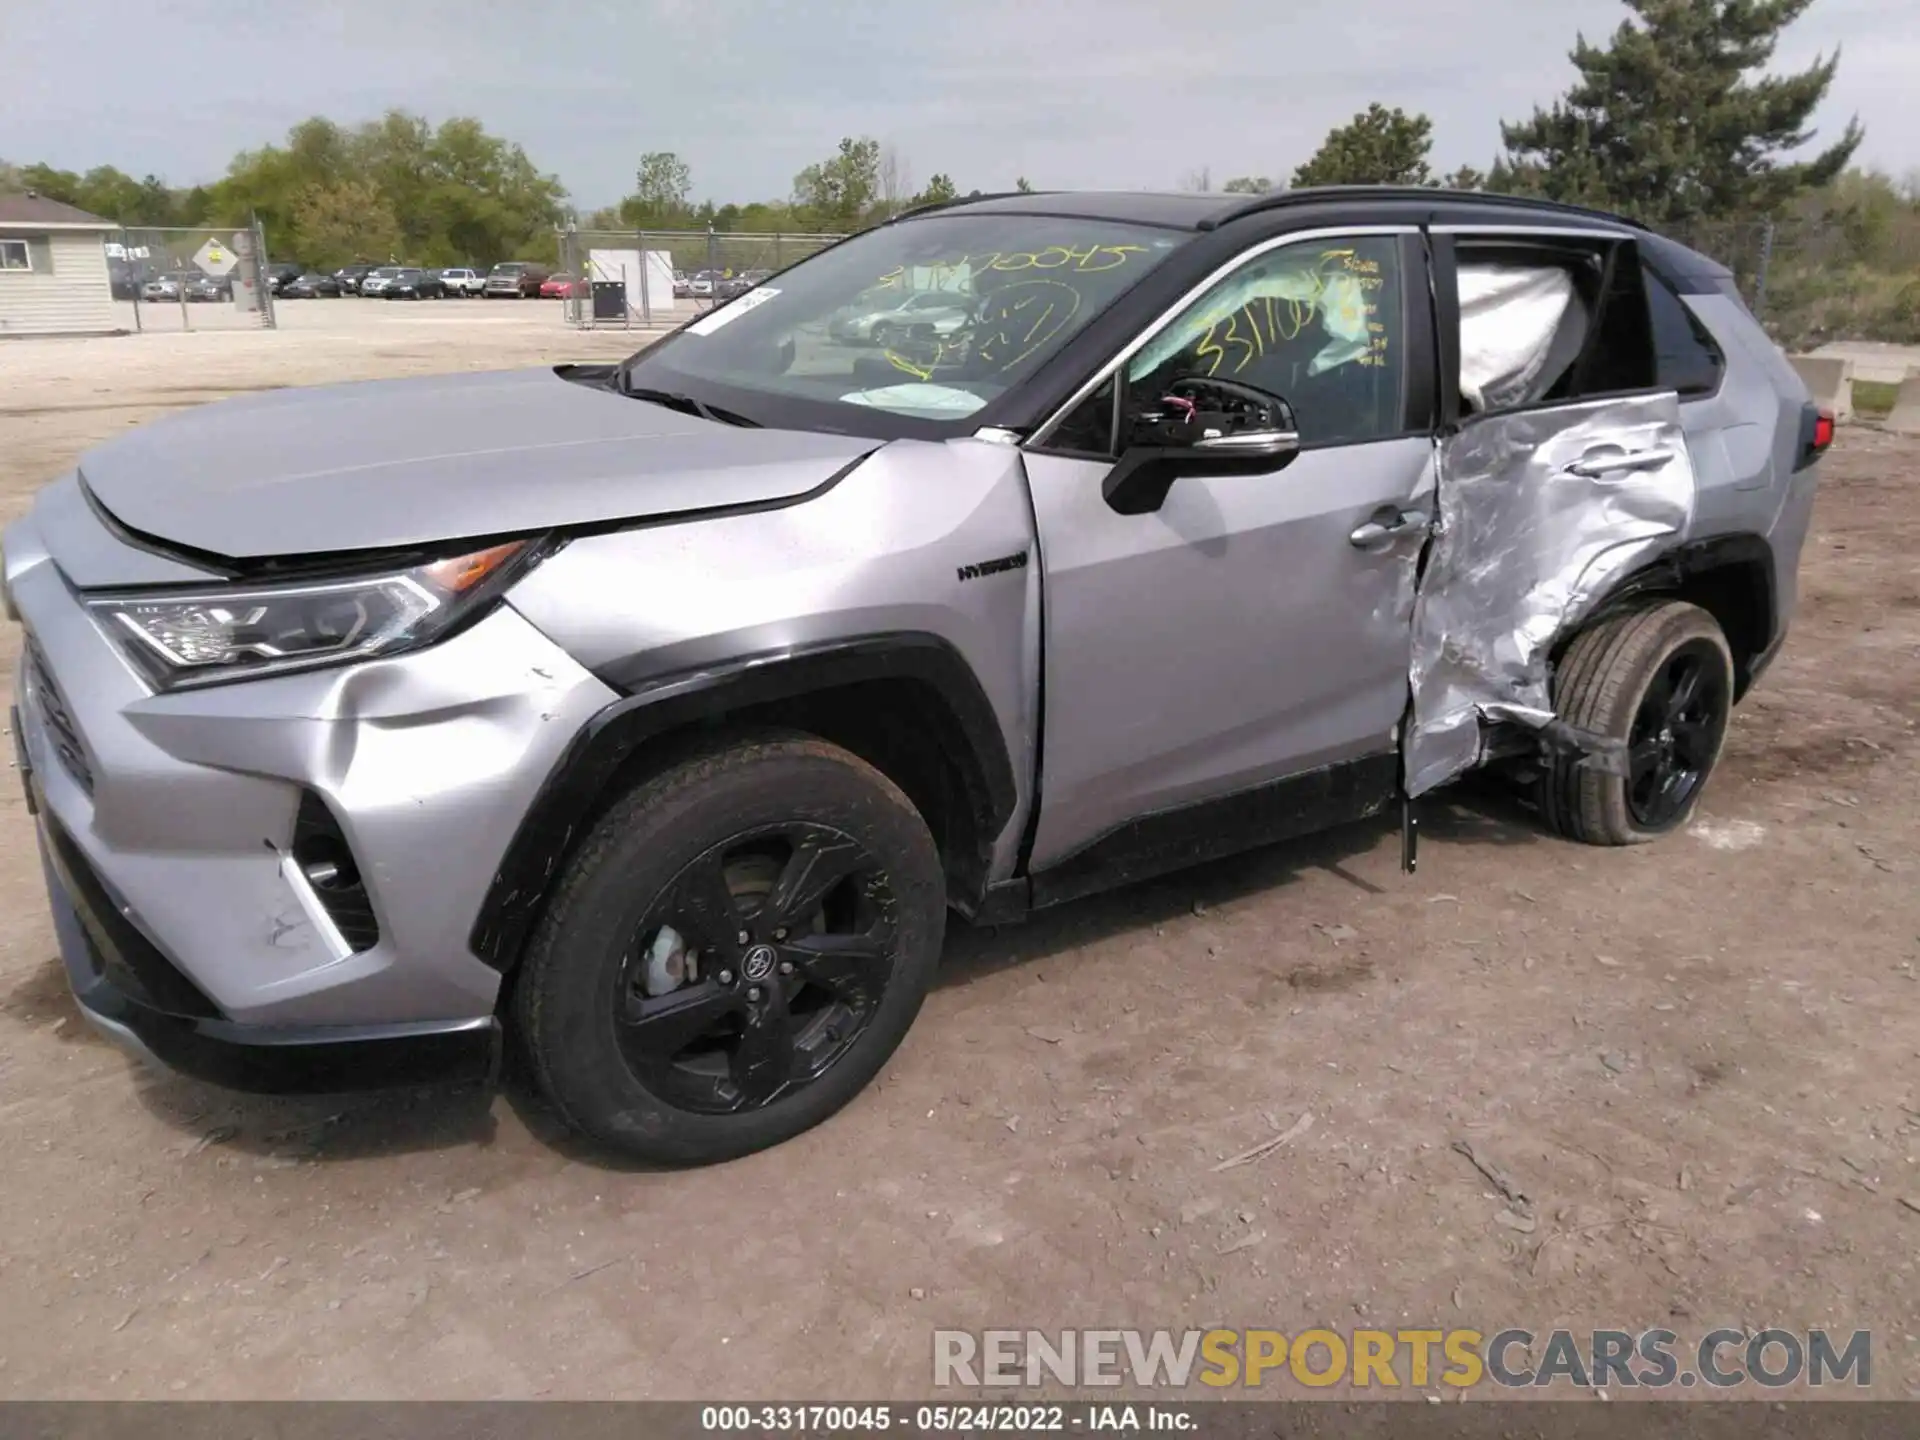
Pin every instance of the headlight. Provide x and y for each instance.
(237, 633)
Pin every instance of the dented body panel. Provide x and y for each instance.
(427, 760)
(1541, 513)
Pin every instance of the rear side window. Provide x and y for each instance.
(1688, 359)
(1550, 323)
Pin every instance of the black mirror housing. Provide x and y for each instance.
(1200, 427)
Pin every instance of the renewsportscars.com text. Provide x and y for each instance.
(1384, 1359)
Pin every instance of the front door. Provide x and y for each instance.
(1254, 627)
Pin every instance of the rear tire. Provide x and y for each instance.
(1660, 680)
(737, 948)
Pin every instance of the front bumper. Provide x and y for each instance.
(191, 810)
(133, 995)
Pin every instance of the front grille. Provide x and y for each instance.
(61, 730)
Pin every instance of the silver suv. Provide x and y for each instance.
(656, 714)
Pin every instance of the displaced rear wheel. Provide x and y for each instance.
(1660, 680)
(736, 950)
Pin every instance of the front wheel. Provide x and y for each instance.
(1661, 681)
(735, 951)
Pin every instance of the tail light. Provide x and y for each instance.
(1816, 434)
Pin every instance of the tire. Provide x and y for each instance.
(1620, 678)
(766, 816)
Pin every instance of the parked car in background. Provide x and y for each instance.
(415, 284)
(460, 281)
(515, 280)
(700, 285)
(311, 286)
(682, 285)
(282, 273)
(169, 286)
(375, 281)
(206, 289)
(928, 315)
(732, 286)
(350, 277)
(557, 287)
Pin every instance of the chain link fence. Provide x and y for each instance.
(205, 279)
(1815, 278)
(656, 279)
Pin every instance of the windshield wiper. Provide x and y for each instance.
(686, 404)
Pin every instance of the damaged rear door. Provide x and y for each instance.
(1562, 467)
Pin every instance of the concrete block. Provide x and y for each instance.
(1905, 419)
(1873, 360)
(1830, 379)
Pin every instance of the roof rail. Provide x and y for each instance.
(1280, 199)
(933, 205)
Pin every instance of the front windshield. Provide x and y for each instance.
(927, 321)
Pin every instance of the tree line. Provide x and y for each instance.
(1674, 121)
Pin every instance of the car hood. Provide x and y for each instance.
(394, 463)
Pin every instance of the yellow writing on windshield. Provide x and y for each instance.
(1087, 259)
(1015, 320)
(1020, 317)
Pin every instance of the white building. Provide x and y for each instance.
(53, 269)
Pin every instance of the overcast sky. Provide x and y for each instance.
(1069, 93)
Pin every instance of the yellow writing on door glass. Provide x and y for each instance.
(1234, 341)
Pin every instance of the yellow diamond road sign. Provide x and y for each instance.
(215, 258)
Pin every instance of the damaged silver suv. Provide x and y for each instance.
(654, 715)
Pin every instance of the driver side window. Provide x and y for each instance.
(1319, 324)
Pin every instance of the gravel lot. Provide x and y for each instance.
(1696, 1058)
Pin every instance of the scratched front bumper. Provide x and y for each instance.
(184, 805)
(133, 994)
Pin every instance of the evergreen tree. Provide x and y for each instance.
(1377, 147)
(1666, 126)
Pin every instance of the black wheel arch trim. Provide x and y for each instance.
(1671, 572)
(572, 791)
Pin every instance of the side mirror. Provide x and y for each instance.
(1199, 427)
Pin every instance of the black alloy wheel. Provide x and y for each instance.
(1676, 734)
(1659, 680)
(733, 951)
(777, 944)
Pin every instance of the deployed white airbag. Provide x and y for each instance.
(935, 402)
(1509, 318)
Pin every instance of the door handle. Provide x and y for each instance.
(1387, 524)
(1597, 465)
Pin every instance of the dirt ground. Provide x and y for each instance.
(1697, 1058)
